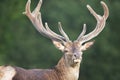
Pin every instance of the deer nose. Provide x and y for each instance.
(77, 55)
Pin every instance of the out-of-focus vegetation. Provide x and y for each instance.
(21, 45)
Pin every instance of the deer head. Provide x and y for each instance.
(72, 49)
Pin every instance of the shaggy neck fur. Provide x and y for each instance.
(66, 71)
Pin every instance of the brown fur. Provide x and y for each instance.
(60, 72)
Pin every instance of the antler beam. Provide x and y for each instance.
(36, 19)
(101, 20)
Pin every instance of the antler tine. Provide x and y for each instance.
(37, 9)
(101, 20)
(83, 32)
(36, 19)
(93, 12)
(27, 8)
(62, 32)
(53, 33)
(106, 10)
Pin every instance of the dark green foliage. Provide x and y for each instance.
(21, 45)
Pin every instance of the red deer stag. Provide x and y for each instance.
(68, 66)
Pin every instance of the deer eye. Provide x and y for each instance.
(65, 51)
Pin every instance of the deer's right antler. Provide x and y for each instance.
(36, 19)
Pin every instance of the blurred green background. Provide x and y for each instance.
(21, 44)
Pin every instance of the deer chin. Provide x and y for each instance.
(76, 61)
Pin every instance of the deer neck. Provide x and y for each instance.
(66, 71)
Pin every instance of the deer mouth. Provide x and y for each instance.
(76, 61)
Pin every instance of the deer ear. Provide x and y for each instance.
(58, 45)
(87, 45)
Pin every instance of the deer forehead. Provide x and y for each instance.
(72, 45)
